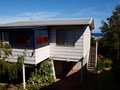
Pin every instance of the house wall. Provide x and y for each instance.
(41, 54)
(81, 48)
(30, 57)
(61, 53)
(86, 44)
(65, 53)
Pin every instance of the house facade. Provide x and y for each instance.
(66, 42)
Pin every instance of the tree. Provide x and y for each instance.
(6, 68)
(109, 45)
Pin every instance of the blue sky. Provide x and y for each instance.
(19, 10)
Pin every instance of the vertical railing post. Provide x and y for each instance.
(96, 53)
(24, 77)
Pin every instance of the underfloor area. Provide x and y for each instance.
(72, 81)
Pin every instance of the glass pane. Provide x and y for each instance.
(5, 36)
(60, 37)
(39, 40)
(21, 38)
(22, 41)
(70, 38)
(45, 39)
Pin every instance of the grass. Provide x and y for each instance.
(107, 81)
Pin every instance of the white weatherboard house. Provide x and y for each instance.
(66, 41)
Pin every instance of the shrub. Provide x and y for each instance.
(101, 65)
(108, 63)
(3, 88)
(41, 77)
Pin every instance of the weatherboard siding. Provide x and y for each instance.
(86, 44)
(41, 54)
(65, 52)
(30, 58)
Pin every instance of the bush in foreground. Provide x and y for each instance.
(41, 77)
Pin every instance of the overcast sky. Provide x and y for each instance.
(17, 10)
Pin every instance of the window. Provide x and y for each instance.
(45, 39)
(22, 41)
(21, 38)
(5, 36)
(42, 40)
(65, 37)
(39, 40)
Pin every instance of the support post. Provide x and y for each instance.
(24, 77)
(81, 70)
(96, 53)
(53, 68)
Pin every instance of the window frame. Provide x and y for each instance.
(65, 37)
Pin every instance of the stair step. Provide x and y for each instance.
(91, 63)
(91, 67)
(92, 58)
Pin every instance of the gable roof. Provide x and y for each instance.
(89, 22)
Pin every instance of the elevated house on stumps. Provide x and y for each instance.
(66, 41)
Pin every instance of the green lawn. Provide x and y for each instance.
(106, 81)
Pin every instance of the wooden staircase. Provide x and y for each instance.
(91, 63)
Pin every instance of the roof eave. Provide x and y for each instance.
(91, 24)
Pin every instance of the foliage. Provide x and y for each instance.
(100, 65)
(5, 50)
(108, 63)
(7, 68)
(111, 37)
(3, 88)
(109, 45)
(41, 77)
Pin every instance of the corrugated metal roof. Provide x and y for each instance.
(89, 22)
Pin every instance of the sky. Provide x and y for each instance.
(21, 10)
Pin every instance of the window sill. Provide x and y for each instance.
(65, 46)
